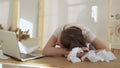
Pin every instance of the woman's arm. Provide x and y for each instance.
(99, 45)
(50, 50)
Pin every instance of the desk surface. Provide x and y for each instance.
(62, 62)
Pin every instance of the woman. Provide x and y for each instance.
(77, 35)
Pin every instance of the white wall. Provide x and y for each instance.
(115, 23)
(59, 12)
(101, 26)
(51, 18)
(29, 14)
(83, 16)
(6, 13)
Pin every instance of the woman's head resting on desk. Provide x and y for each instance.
(72, 37)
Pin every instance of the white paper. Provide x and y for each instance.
(91, 55)
(72, 56)
(103, 55)
(28, 46)
(106, 55)
(23, 49)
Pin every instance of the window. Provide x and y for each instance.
(94, 13)
(25, 25)
(29, 16)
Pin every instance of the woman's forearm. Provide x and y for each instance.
(54, 51)
(99, 45)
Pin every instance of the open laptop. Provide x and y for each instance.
(10, 47)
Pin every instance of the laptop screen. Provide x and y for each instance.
(9, 43)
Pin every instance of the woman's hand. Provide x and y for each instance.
(78, 54)
(81, 54)
(85, 49)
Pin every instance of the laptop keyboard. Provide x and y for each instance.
(26, 56)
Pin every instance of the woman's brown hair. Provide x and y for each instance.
(72, 37)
